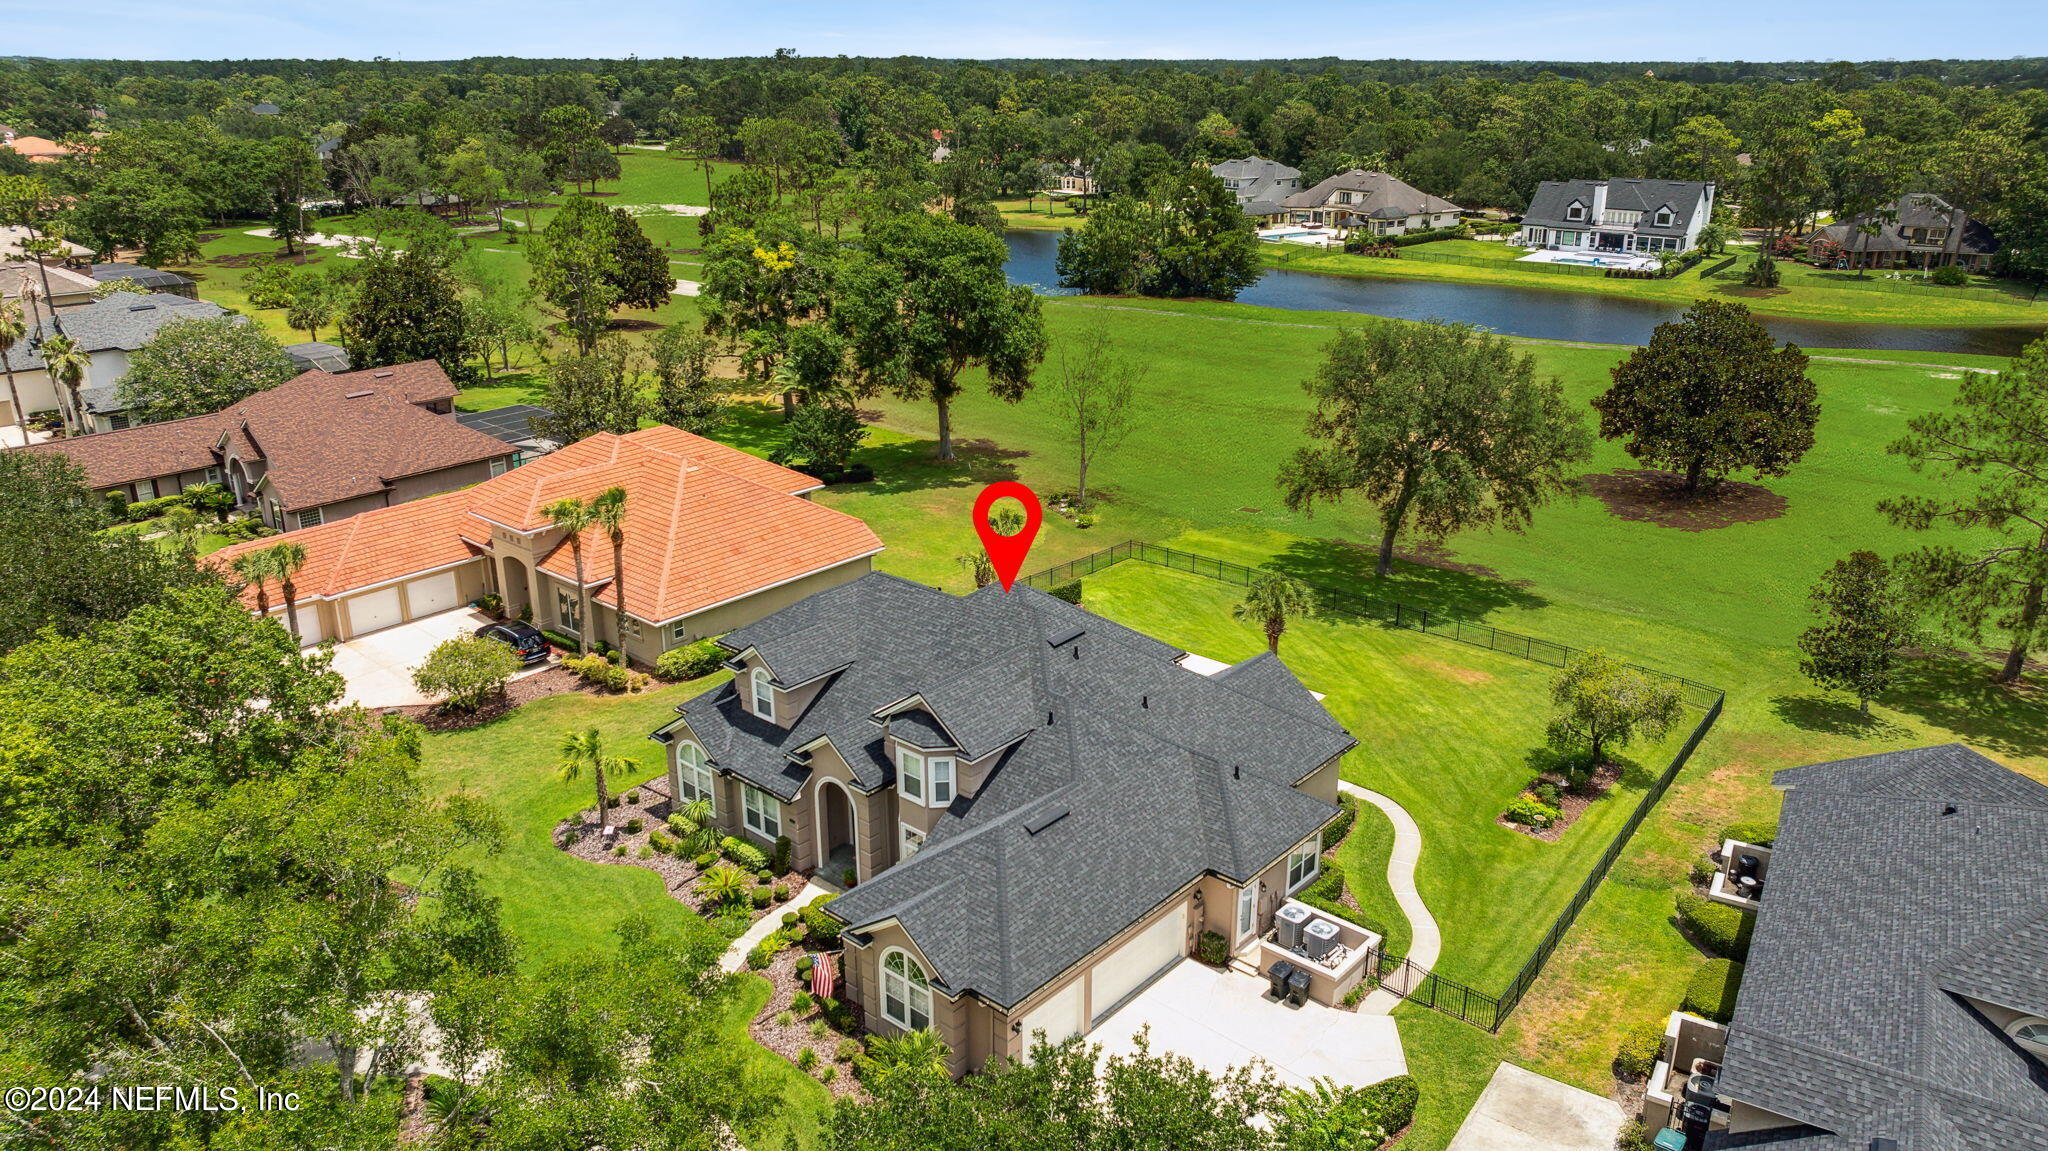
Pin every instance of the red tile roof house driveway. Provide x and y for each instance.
(715, 539)
(318, 448)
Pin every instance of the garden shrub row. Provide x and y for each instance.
(1334, 834)
(745, 854)
(1717, 927)
(1711, 992)
(691, 661)
(821, 931)
(598, 671)
(1761, 832)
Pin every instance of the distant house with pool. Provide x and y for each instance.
(1618, 217)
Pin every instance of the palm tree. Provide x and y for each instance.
(608, 511)
(697, 813)
(572, 516)
(584, 750)
(255, 568)
(724, 884)
(286, 561)
(1271, 601)
(13, 330)
(67, 361)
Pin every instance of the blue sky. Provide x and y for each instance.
(1153, 29)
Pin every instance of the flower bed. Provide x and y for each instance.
(1570, 803)
(791, 1033)
(648, 802)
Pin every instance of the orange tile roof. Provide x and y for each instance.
(705, 523)
(39, 149)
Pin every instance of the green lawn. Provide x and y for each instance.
(1039, 212)
(1806, 292)
(556, 905)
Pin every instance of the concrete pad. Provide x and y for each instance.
(687, 288)
(1523, 1111)
(378, 667)
(1222, 1019)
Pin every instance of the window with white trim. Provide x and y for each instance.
(1663, 217)
(909, 839)
(909, 774)
(568, 611)
(693, 775)
(906, 991)
(939, 773)
(1576, 212)
(764, 694)
(498, 467)
(678, 634)
(310, 518)
(2031, 1033)
(1303, 864)
(761, 812)
(630, 626)
(213, 475)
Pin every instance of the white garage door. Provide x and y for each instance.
(373, 610)
(1138, 960)
(432, 594)
(1061, 1017)
(310, 631)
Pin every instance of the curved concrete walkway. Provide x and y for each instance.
(1425, 942)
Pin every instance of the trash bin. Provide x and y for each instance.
(1277, 977)
(1669, 1140)
(1297, 987)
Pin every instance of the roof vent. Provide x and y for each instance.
(358, 395)
(1034, 826)
(1068, 635)
(1948, 809)
(1145, 701)
(1884, 1145)
(382, 375)
(142, 307)
(1236, 771)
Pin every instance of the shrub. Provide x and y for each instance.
(1718, 928)
(723, 885)
(827, 1073)
(804, 965)
(1713, 989)
(763, 877)
(661, 843)
(820, 1029)
(1546, 792)
(785, 1018)
(1330, 1115)
(742, 853)
(1950, 276)
(838, 1013)
(1213, 949)
(765, 951)
(779, 859)
(802, 1003)
(760, 898)
(704, 860)
(646, 852)
(1640, 1050)
(1347, 806)
(1531, 812)
(1763, 273)
(1633, 1137)
(848, 1051)
(633, 797)
(466, 671)
(635, 825)
(1084, 520)
(806, 1059)
(620, 851)
(1701, 873)
(691, 661)
(821, 931)
(490, 603)
(598, 671)
(789, 919)
(781, 892)
(1761, 832)
(150, 509)
(1330, 884)
(1069, 591)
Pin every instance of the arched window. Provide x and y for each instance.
(764, 694)
(693, 773)
(906, 992)
(2032, 1034)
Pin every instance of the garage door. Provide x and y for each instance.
(373, 610)
(432, 594)
(1061, 1017)
(310, 631)
(1129, 966)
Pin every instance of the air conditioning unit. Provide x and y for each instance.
(1319, 937)
(1289, 922)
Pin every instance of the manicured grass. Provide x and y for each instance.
(1807, 292)
(1039, 212)
(556, 905)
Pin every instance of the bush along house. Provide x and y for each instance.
(1038, 811)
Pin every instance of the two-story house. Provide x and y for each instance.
(1895, 996)
(1038, 810)
(108, 330)
(1260, 185)
(1646, 216)
(1370, 203)
(1918, 230)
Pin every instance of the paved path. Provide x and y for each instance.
(735, 958)
(1523, 1111)
(1425, 942)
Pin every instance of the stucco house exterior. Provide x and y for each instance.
(1918, 230)
(1040, 810)
(1370, 203)
(109, 330)
(1896, 990)
(715, 539)
(1646, 216)
(316, 449)
(1260, 185)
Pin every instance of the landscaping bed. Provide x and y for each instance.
(647, 805)
(1570, 804)
(797, 1029)
(554, 681)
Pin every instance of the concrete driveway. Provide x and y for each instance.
(1221, 1019)
(378, 667)
(1523, 1111)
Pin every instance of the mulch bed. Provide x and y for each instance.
(1571, 804)
(678, 874)
(554, 681)
(787, 1039)
(1658, 497)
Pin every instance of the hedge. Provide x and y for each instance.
(1761, 832)
(1330, 884)
(821, 931)
(1069, 591)
(1713, 989)
(1717, 927)
(1390, 1103)
(1640, 1050)
(1347, 805)
(691, 661)
(746, 855)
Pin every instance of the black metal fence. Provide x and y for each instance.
(1404, 978)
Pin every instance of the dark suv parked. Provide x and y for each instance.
(524, 638)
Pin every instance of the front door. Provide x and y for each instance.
(1247, 909)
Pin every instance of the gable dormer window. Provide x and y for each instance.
(1663, 217)
(1577, 211)
(764, 694)
(926, 781)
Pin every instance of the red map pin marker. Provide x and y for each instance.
(1007, 552)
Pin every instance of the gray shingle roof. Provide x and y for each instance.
(1898, 880)
(143, 275)
(1146, 776)
(1386, 198)
(1683, 197)
(123, 320)
(1913, 210)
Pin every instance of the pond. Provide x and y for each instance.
(1536, 313)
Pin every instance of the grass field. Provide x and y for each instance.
(556, 905)
(1806, 292)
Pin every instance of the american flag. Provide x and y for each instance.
(822, 980)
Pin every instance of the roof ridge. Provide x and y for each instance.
(1892, 1071)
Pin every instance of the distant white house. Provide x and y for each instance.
(1072, 178)
(1260, 185)
(1617, 216)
